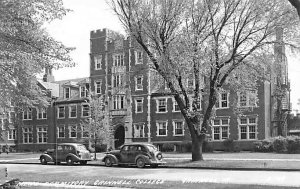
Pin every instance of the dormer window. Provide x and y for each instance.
(67, 92)
(83, 91)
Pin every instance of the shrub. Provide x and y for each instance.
(263, 145)
(207, 147)
(257, 146)
(293, 144)
(236, 148)
(186, 146)
(267, 145)
(100, 147)
(167, 147)
(280, 144)
(228, 144)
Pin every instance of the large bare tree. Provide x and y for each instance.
(217, 40)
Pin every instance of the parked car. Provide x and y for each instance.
(66, 152)
(140, 154)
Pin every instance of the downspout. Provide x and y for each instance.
(149, 105)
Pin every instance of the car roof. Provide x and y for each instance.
(71, 144)
(139, 143)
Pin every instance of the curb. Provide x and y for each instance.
(176, 166)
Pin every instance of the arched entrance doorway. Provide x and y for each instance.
(119, 136)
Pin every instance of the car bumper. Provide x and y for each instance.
(158, 162)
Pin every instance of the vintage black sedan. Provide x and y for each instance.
(66, 152)
(139, 154)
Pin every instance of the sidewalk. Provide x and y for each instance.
(236, 161)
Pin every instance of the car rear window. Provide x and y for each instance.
(152, 148)
(81, 147)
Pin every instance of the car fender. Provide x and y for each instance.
(115, 159)
(146, 158)
(47, 157)
(74, 157)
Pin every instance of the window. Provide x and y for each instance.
(138, 57)
(2, 124)
(222, 101)
(27, 135)
(27, 115)
(162, 129)
(12, 133)
(162, 105)
(220, 129)
(248, 127)
(41, 113)
(11, 116)
(98, 62)
(61, 112)
(67, 92)
(139, 105)
(178, 128)
(175, 106)
(139, 131)
(98, 87)
(42, 134)
(247, 98)
(118, 59)
(139, 83)
(118, 80)
(61, 131)
(84, 132)
(190, 83)
(73, 111)
(83, 91)
(73, 131)
(85, 110)
(118, 102)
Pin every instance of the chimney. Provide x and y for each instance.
(48, 77)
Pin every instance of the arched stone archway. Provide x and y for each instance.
(119, 136)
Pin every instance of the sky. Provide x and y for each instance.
(88, 15)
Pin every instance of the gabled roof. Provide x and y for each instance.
(53, 87)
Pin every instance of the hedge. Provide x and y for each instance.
(290, 144)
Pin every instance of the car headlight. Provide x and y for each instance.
(159, 156)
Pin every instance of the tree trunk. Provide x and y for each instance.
(95, 153)
(197, 144)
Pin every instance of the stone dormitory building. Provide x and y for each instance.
(139, 110)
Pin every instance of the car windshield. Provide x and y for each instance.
(81, 148)
(152, 148)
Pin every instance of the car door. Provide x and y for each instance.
(124, 154)
(133, 152)
(59, 152)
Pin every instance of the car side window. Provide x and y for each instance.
(133, 148)
(125, 148)
(143, 149)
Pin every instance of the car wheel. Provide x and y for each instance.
(140, 163)
(70, 161)
(108, 162)
(83, 162)
(154, 165)
(43, 161)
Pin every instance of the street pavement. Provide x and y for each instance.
(60, 175)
